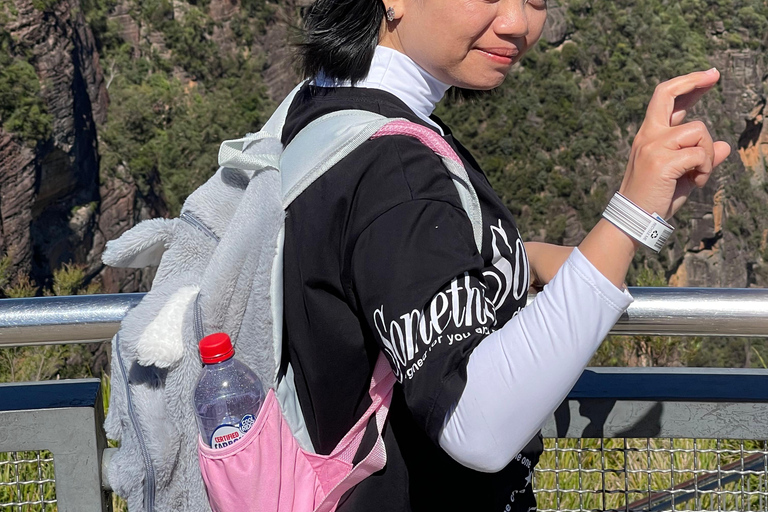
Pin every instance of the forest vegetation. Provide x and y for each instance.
(552, 139)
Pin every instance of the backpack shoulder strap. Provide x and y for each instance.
(327, 140)
(467, 194)
(233, 154)
(274, 126)
(322, 144)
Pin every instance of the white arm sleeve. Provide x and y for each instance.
(519, 375)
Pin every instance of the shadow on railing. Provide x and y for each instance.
(65, 417)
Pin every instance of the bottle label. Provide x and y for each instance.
(226, 434)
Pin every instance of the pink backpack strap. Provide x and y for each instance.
(381, 396)
(428, 137)
(469, 200)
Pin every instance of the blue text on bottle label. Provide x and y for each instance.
(227, 434)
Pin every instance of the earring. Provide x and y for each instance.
(391, 14)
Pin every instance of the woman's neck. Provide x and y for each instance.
(397, 74)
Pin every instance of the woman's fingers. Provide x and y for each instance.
(678, 117)
(696, 168)
(668, 158)
(696, 134)
(702, 173)
(678, 94)
(698, 176)
(685, 102)
(722, 150)
(691, 134)
(698, 165)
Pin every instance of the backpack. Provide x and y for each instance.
(219, 269)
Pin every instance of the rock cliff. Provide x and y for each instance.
(52, 204)
(58, 202)
(724, 241)
(54, 207)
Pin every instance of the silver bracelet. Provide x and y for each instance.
(649, 229)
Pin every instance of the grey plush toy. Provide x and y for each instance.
(223, 244)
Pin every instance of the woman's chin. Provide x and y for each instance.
(484, 82)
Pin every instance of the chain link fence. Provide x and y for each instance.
(27, 482)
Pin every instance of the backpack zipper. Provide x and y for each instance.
(197, 322)
(194, 221)
(149, 488)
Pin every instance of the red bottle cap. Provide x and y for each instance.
(216, 348)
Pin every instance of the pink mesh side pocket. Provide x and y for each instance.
(267, 470)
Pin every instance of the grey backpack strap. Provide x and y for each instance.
(233, 154)
(322, 144)
(327, 140)
(274, 126)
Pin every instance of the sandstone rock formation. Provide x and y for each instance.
(556, 27)
(51, 201)
(17, 192)
(710, 254)
(61, 173)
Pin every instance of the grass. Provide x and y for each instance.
(27, 477)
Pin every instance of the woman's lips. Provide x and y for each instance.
(500, 55)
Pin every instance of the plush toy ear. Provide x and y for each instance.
(141, 246)
(162, 342)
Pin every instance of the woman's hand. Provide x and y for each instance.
(669, 159)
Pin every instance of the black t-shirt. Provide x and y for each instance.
(380, 255)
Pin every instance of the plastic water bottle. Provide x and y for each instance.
(228, 395)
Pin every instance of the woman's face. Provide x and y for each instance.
(465, 43)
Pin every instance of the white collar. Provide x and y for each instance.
(397, 74)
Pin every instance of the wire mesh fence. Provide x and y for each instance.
(652, 475)
(27, 482)
(572, 475)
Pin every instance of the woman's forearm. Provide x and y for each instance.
(609, 249)
(545, 260)
(519, 374)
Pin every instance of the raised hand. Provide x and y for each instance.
(669, 159)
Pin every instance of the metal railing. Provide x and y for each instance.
(662, 311)
(624, 439)
(64, 419)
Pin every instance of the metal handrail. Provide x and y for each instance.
(66, 319)
(655, 311)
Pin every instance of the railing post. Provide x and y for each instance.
(65, 418)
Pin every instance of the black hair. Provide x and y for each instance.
(340, 38)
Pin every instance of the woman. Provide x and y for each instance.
(380, 255)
